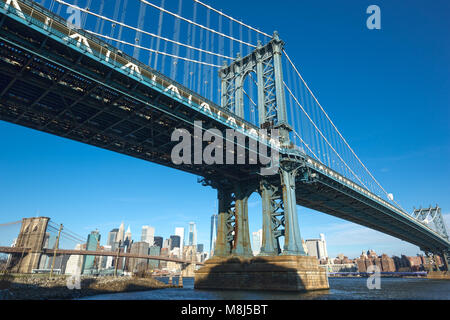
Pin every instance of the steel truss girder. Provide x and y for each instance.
(273, 218)
(432, 215)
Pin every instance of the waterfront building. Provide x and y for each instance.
(317, 247)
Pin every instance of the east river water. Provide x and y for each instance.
(340, 289)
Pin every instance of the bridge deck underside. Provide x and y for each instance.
(109, 112)
(339, 201)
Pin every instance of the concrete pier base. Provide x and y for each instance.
(278, 273)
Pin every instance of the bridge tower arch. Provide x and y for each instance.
(31, 236)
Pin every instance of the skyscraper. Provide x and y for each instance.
(179, 231)
(192, 234)
(121, 233)
(174, 242)
(128, 234)
(213, 234)
(158, 241)
(92, 242)
(127, 241)
(112, 236)
(148, 234)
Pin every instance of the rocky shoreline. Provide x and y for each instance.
(40, 287)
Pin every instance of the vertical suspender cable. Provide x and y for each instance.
(176, 47)
(158, 41)
(122, 19)
(84, 15)
(209, 46)
(200, 67)
(219, 60)
(116, 15)
(231, 42)
(291, 109)
(138, 36)
(99, 20)
(191, 65)
(240, 43)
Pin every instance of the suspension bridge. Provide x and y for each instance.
(103, 75)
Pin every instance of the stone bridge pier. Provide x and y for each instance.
(233, 265)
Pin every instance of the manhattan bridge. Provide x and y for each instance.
(124, 74)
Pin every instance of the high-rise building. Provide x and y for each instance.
(128, 234)
(127, 240)
(256, 242)
(317, 247)
(158, 241)
(154, 251)
(92, 242)
(213, 234)
(199, 248)
(137, 264)
(174, 242)
(167, 244)
(179, 231)
(192, 234)
(106, 261)
(148, 234)
(121, 233)
(112, 236)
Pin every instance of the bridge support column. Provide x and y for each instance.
(233, 236)
(292, 238)
(224, 220)
(446, 257)
(242, 245)
(269, 196)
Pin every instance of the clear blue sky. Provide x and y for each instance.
(386, 90)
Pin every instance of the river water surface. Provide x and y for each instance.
(340, 289)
